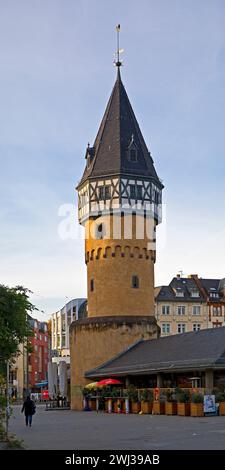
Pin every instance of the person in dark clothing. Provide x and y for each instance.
(29, 410)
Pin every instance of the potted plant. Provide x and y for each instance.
(159, 405)
(146, 397)
(134, 399)
(220, 398)
(126, 401)
(183, 405)
(115, 394)
(90, 399)
(197, 404)
(171, 403)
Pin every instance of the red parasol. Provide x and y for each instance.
(109, 382)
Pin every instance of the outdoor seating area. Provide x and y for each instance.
(158, 401)
(57, 404)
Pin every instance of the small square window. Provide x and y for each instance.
(139, 192)
(104, 192)
(101, 193)
(196, 327)
(181, 310)
(132, 191)
(181, 327)
(165, 328)
(165, 310)
(107, 192)
(196, 310)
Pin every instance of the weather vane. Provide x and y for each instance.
(119, 51)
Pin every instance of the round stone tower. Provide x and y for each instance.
(120, 207)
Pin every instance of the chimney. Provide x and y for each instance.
(199, 284)
(193, 276)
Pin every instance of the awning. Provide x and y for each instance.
(41, 384)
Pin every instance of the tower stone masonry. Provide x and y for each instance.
(119, 207)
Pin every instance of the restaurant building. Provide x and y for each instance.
(188, 360)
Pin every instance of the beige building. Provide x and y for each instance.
(190, 304)
(18, 374)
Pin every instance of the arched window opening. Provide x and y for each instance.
(135, 282)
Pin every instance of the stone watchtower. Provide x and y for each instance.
(119, 206)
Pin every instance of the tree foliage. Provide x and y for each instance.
(15, 307)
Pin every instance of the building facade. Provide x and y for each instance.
(39, 357)
(120, 198)
(31, 368)
(190, 304)
(60, 323)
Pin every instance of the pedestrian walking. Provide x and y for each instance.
(29, 409)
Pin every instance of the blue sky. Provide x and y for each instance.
(56, 75)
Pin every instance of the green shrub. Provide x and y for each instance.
(220, 396)
(184, 397)
(146, 395)
(132, 393)
(170, 396)
(197, 398)
(14, 442)
(114, 393)
(162, 397)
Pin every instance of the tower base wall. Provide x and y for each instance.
(96, 340)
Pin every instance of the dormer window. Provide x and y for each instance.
(133, 155)
(194, 293)
(214, 294)
(89, 155)
(132, 151)
(179, 292)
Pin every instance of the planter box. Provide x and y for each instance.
(135, 407)
(171, 408)
(107, 406)
(183, 409)
(197, 409)
(114, 405)
(158, 408)
(118, 406)
(222, 408)
(146, 407)
(92, 404)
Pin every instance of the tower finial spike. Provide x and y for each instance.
(119, 51)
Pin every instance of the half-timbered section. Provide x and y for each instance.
(121, 194)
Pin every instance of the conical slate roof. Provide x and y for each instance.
(119, 129)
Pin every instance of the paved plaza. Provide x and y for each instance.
(88, 430)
